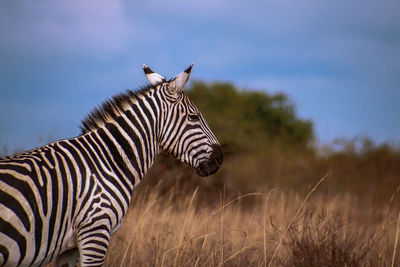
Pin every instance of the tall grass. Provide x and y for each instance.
(277, 228)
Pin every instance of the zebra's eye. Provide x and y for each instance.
(193, 117)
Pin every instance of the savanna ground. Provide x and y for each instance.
(278, 229)
(278, 199)
(182, 221)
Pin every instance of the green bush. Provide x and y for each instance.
(245, 119)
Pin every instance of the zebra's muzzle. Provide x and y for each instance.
(211, 165)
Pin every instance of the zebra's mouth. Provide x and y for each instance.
(211, 166)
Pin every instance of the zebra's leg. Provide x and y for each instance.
(68, 258)
(93, 244)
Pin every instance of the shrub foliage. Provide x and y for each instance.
(247, 119)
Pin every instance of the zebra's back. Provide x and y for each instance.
(49, 194)
(36, 205)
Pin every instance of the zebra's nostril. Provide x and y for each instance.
(211, 165)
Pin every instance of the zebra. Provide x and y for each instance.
(64, 200)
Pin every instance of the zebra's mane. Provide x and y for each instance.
(110, 109)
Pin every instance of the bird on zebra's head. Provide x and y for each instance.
(64, 200)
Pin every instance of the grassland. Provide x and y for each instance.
(272, 208)
(273, 228)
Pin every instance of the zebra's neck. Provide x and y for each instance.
(128, 136)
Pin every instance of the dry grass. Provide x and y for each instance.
(277, 228)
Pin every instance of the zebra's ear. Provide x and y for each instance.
(178, 83)
(153, 77)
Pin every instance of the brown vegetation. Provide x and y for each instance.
(277, 228)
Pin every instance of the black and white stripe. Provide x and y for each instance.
(63, 201)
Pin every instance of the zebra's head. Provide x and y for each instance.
(183, 131)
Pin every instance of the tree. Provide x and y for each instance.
(244, 119)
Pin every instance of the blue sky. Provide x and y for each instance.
(339, 61)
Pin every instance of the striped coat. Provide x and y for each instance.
(64, 200)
